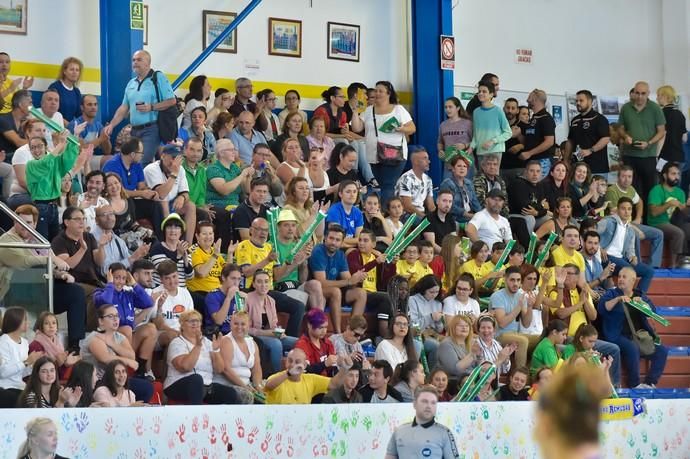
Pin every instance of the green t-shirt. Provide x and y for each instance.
(614, 193)
(545, 355)
(218, 170)
(44, 175)
(568, 351)
(196, 180)
(283, 252)
(658, 196)
(641, 126)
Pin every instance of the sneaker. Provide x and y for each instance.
(643, 386)
(149, 375)
(374, 185)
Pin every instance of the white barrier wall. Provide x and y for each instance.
(493, 430)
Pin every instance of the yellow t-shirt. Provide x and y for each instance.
(412, 272)
(6, 104)
(560, 258)
(247, 253)
(210, 282)
(477, 271)
(369, 283)
(577, 318)
(290, 392)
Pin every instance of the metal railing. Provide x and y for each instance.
(41, 243)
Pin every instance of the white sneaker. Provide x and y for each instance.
(643, 386)
(149, 375)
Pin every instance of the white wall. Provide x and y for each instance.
(175, 39)
(382, 56)
(601, 45)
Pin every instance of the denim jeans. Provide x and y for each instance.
(48, 220)
(151, 140)
(656, 238)
(643, 271)
(387, 176)
(631, 359)
(276, 347)
(605, 348)
(362, 164)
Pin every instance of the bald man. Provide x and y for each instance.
(616, 317)
(294, 386)
(141, 103)
(644, 126)
(245, 137)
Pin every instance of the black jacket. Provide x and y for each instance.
(524, 193)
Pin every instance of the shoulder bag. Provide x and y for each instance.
(386, 154)
(644, 340)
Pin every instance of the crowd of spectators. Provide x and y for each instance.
(173, 265)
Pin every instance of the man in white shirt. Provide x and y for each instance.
(415, 187)
(92, 198)
(171, 300)
(50, 102)
(164, 177)
(488, 224)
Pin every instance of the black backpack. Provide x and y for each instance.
(167, 119)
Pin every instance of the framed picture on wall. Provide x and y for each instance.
(284, 37)
(146, 25)
(342, 42)
(214, 24)
(13, 16)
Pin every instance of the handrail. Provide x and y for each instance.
(214, 44)
(10, 213)
(41, 244)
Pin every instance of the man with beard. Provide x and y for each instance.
(511, 164)
(588, 136)
(115, 248)
(540, 135)
(423, 437)
(488, 224)
(329, 266)
(668, 210)
(441, 222)
(526, 203)
(92, 198)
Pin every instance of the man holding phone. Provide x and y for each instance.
(644, 126)
(142, 102)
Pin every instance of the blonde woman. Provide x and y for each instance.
(458, 354)
(66, 86)
(676, 134)
(41, 440)
(242, 362)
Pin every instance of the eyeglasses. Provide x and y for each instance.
(111, 316)
(402, 324)
(463, 289)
